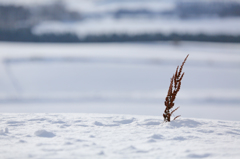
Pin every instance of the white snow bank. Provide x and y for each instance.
(226, 26)
(117, 136)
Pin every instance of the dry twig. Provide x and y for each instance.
(174, 87)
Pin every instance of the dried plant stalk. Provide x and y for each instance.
(175, 85)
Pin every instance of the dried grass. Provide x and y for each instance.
(175, 85)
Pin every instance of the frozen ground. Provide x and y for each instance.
(116, 136)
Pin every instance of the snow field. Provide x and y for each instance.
(119, 78)
(109, 26)
(116, 136)
(116, 79)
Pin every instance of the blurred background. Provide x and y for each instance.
(117, 56)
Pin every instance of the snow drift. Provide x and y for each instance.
(116, 136)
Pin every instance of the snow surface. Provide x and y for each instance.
(120, 78)
(114, 79)
(116, 136)
(121, 81)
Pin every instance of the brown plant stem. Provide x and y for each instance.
(175, 85)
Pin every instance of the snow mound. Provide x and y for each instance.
(44, 133)
(117, 136)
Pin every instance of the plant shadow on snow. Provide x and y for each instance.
(184, 123)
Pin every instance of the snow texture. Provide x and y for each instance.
(116, 136)
(44, 133)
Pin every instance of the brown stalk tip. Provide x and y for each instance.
(172, 92)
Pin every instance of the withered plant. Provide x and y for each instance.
(175, 85)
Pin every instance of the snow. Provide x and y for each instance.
(116, 136)
(106, 100)
(44, 133)
(95, 6)
(107, 24)
(133, 26)
(125, 78)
